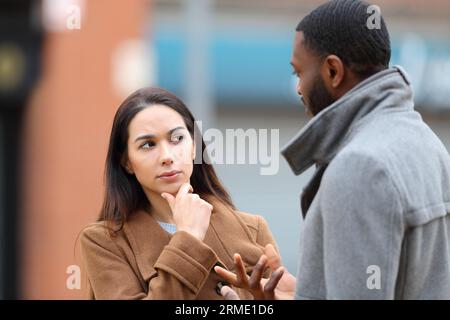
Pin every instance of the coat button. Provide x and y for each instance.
(219, 286)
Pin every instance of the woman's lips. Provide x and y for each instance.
(170, 176)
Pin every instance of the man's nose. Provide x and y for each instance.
(298, 89)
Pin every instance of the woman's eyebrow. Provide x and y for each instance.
(151, 136)
(145, 137)
(175, 129)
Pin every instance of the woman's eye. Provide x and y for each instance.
(147, 145)
(177, 138)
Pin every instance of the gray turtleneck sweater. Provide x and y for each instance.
(376, 213)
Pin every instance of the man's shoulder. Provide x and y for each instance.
(353, 161)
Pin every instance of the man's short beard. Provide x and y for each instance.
(319, 98)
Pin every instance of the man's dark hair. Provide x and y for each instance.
(340, 27)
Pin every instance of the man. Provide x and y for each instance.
(376, 212)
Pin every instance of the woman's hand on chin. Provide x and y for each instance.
(190, 213)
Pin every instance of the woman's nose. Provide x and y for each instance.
(166, 154)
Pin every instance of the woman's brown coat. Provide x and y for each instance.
(143, 261)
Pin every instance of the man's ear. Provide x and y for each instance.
(333, 72)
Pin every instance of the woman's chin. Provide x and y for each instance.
(172, 188)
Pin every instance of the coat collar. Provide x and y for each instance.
(226, 235)
(324, 135)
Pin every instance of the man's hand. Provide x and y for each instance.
(229, 294)
(285, 288)
(280, 285)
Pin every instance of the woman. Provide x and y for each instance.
(166, 221)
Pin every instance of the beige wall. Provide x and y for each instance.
(67, 126)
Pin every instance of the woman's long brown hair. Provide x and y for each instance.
(123, 193)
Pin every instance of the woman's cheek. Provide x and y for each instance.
(187, 164)
(189, 169)
(184, 155)
(147, 172)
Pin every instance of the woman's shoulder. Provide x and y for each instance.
(258, 226)
(251, 220)
(99, 233)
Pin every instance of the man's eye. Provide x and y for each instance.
(147, 145)
(295, 73)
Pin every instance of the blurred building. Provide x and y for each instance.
(87, 66)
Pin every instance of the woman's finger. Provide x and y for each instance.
(184, 189)
(195, 195)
